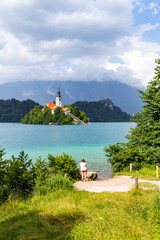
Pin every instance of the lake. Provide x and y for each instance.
(83, 141)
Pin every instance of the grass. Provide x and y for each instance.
(147, 185)
(143, 173)
(79, 215)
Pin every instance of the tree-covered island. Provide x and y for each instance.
(45, 116)
(30, 112)
(54, 113)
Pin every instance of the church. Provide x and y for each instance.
(58, 103)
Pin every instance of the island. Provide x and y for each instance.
(53, 113)
(80, 112)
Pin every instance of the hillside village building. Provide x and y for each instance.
(58, 103)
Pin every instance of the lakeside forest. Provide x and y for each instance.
(38, 201)
(13, 110)
(102, 111)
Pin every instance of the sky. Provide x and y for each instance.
(79, 40)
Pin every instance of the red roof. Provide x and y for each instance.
(52, 106)
(65, 109)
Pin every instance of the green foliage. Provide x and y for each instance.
(70, 107)
(147, 172)
(155, 209)
(75, 111)
(18, 175)
(2, 164)
(41, 168)
(68, 120)
(13, 110)
(2, 173)
(64, 164)
(100, 112)
(36, 116)
(51, 183)
(44, 117)
(73, 215)
(143, 147)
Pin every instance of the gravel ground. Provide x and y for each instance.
(115, 184)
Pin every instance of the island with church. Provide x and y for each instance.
(53, 113)
(80, 112)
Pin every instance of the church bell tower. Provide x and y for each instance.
(59, 99)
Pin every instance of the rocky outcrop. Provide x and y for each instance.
(107, 103)
(91, 176)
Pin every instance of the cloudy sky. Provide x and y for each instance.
(79, 40)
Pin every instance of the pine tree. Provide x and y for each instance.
(143, 145)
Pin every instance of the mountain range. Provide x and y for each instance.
(121, 94)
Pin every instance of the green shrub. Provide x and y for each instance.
(51, 183)
(19, 175)
(2, 172)
(65, 165)
(41, 168)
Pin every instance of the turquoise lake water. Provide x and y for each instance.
(84, 141)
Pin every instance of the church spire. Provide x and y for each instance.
(59, 93)
(59, 99)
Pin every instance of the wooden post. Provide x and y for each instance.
(157, 175)
(130, 167)
(136, 182)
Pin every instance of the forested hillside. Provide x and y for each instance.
(13, 110)
(102, 111)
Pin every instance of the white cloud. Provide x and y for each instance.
(16, 3)
(146, 27)
(153, 6)
(74, 40)
(139, 61)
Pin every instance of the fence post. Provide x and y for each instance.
(157, 175)
(130, 167)
(136, 182)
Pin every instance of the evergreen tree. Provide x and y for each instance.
(75, 111)
(143, 145)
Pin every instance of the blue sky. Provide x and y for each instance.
(79, 40)
(148, 12)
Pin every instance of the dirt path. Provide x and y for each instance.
(115, 184)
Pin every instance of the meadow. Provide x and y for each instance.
(77, 215)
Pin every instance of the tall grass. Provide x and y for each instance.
(145, 173)
(51, 183)
(79, 215)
